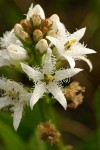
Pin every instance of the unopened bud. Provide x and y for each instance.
(17, 29)
(25, 37)
(37, 35)
(42, 46)
(45, 30)
(51, 33)
(55, 17)
(36, 20)
(17, 52)
(49, 21)
(26, 25)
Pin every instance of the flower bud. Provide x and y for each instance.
(49, 21)
(42, 46)
(25, 37)
(37, 35)
(26, 25)
(36, 20)
(17, 29)
(51, 33)
(17, 52)
(55, 17)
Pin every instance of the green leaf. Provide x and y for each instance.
(10, 139)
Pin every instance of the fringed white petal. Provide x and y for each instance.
(67, 73)
(57, 43)
(86, 60)
(37, 93)
(77, 35)
(8, 38)
(18, 111)
(32, 73)
(4, 101)
(37, 9)
(3, 84)
(79, 49)
(57, 93)
(61, 30)
(53, 40)
(4, 62)
(70, 60)
(48, 64)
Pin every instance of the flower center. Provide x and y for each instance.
(13, 95)
(68, 44)
(48, 78)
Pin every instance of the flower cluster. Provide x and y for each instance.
(39, 47)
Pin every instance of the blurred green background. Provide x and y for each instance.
(81, 127)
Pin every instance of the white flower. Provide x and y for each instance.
(8, 38)
(47, 80)
(11, 49)
(17, 52)
(37, 9)
(68, 46)
(59, 28)
(4, 58)
(16, 96)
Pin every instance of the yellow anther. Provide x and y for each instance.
(48, 78)
(69, 44)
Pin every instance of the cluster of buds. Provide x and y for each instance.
(39, 47)
(34, 30)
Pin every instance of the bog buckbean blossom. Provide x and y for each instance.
(47, 80)
(68, 47)
(39, 47)
(15, 96)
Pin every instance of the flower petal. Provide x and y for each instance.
(4, 101)
(86, 60)
(57, 93)
(55, 17)
(48, 64)
(37, 93)
(66, 73)
(3, 84)
(17, 52)
(18, 110)
(59, 45)
(77, 35)
(70, 60)
(32, 73)
(37, 9)
(60, 28)
(79, 49)
(8, 38)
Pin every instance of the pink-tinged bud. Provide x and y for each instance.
(37, 35)
(36, 20)
(49, 21)
(25, 37)
(42, 46)
(26, 25)
(17, 29)
(51, 33)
